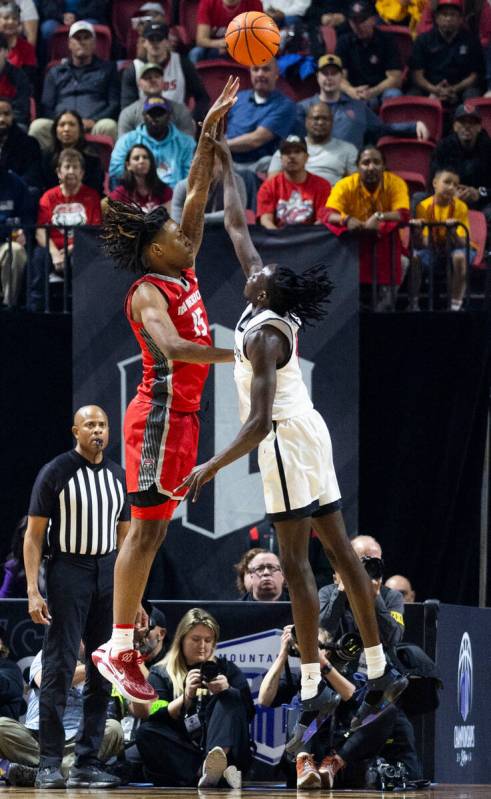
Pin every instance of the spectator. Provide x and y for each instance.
(399, 583)
(69, 204)
(15, 211)
(21, 53)
(436, 245)
(261, 117)
(67, 132)
(293, 196)
(371, 203)
(372, 64)
(151, 639)
(29, 18)
(151, 83)
(220, 717)
(14, 574)
(353, 120)
(329, 158)
(67, 12)
(401, 12)
(260, 577)
(172, 150)
(11, 682)
(214, 209)
(19, 743)
(14, 85)
(140, 183)
(181, 81)
(213, 19)
(148, 12)
(80, 495)
(468, 150)
(447, 62)
(83, 83)
(18, 151)
(286, 13)
(331, 13)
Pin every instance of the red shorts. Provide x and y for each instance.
(161, 448)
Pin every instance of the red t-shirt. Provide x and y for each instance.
(293, 203)
(23, 54)
(146, 202)
(82, 208)
(215, 14)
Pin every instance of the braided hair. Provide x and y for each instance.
(303, 296)
(127, 230)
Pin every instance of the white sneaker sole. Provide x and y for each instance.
(310, 782)
(213, 768)
(106, 671)
(233, 777)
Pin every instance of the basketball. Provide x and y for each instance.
(252, 38)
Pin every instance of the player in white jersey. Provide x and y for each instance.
(295, 457)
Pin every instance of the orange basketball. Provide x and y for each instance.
(252, 38)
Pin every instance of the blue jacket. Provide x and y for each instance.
(173, 155)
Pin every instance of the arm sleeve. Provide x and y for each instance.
(44, 211)
(391, 53)
(281, 118)
(48, 99)
(399, 194)
(321, 195)
(205, 16)
(112, 92)
(333, 604)
(116, 164)
(266, 199)
(21, 101)
(195, 89)
(462, 214)
(238, 682)
(275, 163)
(338, 199)
(129, 89)
(418, 56)
(390, 617)
(43, 495)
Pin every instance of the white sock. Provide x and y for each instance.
(456, 305)
(376, 661)
(311, 676)
(122, 637)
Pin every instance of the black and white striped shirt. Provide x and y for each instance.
(83, 501)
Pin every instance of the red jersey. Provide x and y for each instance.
(293, 203)
(175, 384)
(215, 14)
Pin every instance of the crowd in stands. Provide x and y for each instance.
(127, 89)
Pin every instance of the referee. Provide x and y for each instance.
(79, 500)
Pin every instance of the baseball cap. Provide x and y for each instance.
(293, 141)
(157, 102)
(453, 3)
(81, 25)
(152, 7)
(329, 60)
(467, 110)
(156, 617)
(150, 66)
(360, 10)
(155, 29)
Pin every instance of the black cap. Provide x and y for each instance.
(293, 141)
(360, 10)
(156, 617)
(467, 110)
(156, 30)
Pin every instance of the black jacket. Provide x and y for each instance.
(11, 689)
(92, 90)
(473, 166)
(87, 9)
(21, 154)
(336, 616)
(15, 85)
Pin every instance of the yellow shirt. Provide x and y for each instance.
(393, 12)
(350, 197)
(428, 209)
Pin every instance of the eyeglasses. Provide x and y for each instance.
(271, 567)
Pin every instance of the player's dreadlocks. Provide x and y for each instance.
(127, 229)
(304, 295)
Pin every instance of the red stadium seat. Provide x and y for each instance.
(404, 41)
(329, 36)
(409, 155)
(187, 22)
(414, 180)
(214, 74)
(478, 234)
(58, 46)
(124, 10)
(104, 147)
(484, 106)
(410, 109)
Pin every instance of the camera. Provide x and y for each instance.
(209, 671)
(383, 776)
(373, 566)
(345, 650)
(293, 649)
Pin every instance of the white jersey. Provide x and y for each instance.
(291, 396)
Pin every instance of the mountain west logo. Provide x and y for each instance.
(464, 738)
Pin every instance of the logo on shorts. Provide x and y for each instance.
(148, 463)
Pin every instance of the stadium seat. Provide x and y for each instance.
(410, 109)
(329, 36)
(414, 180)
(478, 234)
(104, 147)
(58, 46)
(214, 74)
(484, 106)
(188, 14)
(404, 41)
(410, 155)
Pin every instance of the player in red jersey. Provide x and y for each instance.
(168, 317)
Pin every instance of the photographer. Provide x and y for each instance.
(200, 723)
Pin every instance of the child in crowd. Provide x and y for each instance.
(436, 244)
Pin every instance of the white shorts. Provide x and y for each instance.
(297, 470)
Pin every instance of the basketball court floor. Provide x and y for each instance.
(266, 792)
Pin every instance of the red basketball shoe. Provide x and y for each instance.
(123, 670)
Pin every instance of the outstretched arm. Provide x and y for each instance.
(265, 349)
(235, 221)
(193, 214)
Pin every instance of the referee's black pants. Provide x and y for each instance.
(80, 596)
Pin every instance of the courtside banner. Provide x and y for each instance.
(207, 537)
